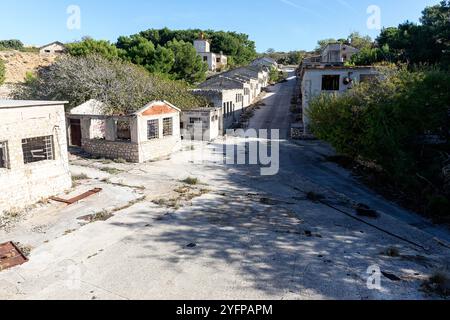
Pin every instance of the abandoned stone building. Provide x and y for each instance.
(53, 48)
(150, 133)
(215, 61)
(33, 152)
(332, 80)
(231, 95)
(337, 53)
(202, 124)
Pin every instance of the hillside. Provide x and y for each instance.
(19, 63)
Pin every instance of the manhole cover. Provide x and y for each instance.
(10, 256)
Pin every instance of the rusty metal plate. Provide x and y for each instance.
(10, 256)
(78, 198)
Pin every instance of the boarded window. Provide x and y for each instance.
(330, 83)
(3, 155)
(167, 127)
(152, 129)
(37, 149)
(195, 120)
(123, 130)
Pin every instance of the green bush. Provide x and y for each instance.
(385, 122)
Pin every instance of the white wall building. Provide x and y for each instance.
(148, 134)
(215, 61)
(203, 124)
(332, 80)
(338, 53)
(33, 152)
(52, 48)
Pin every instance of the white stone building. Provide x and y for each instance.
(53, 48)
(337, 53)
(33, 152)
(203, 124)
(150, 133)
(215, 61)
(332, 80)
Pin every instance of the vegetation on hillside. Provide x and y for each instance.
(286, 58)
(14, 44)
(122, 86)
(2, 72)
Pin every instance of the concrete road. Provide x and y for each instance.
(235, 235)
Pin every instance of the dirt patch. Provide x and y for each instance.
(19, 63)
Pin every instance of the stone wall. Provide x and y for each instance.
(23, 184)
(112, 149)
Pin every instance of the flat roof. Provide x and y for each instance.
(29, 103)
(322, 67)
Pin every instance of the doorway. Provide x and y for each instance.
(75, 132)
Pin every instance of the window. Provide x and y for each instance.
(205, 59)
(123, 130)
(152, 129)
(195, 120)
(218, 60)
(37, 149)
(330, 83)
(3, 155)
(167, 127)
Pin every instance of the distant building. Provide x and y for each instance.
(148, 134)
(331, 79)
(53, 48)
(215, 61)
(33, 152)
(337, 53)
(265, 61)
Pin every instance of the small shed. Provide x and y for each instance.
(150, 133)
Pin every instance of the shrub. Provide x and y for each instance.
(385, 122)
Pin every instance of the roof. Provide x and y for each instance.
(222, 83)
(8, 104)
(156, 103)
(55, 42)
(90, 107)
(325, 67)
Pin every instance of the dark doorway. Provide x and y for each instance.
(75, 132)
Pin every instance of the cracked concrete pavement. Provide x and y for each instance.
(246, 237)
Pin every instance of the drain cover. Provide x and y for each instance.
(10, 256)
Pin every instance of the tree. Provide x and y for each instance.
(2, 72)
(11, 44)
(188, 65)
(425, 43)
(90, 46)
(360, 42)
(122, 86)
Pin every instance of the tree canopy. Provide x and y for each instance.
(11, 44)
(425, 43)
(170, 53)
(122, 86)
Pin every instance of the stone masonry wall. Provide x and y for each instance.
(21, 184)
(112, 149)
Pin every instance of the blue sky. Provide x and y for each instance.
(279, 24)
